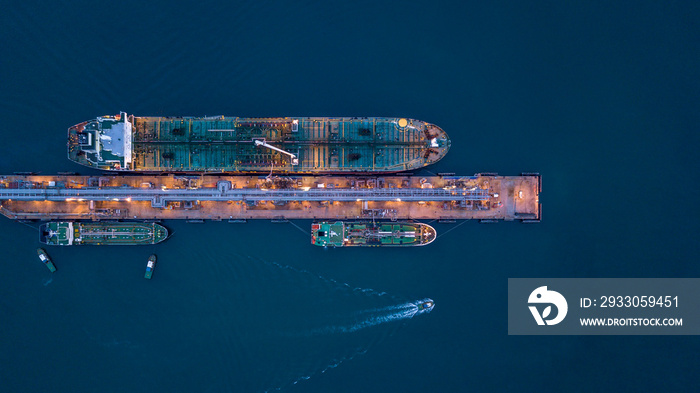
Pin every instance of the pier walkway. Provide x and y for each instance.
(160, 197)
(484, 197)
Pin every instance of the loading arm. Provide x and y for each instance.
(259, 142)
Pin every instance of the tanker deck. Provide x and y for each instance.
(236, 145)
(239, 198)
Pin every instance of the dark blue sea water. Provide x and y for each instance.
(600, 97)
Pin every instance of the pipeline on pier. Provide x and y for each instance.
(483, 197)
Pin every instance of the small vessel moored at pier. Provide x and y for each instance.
(150, 266)
(74, 233)
(44, 257)
(295, 145)
(344, 234)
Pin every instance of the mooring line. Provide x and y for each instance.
(299, 228)
(451, 229)
(33, 227)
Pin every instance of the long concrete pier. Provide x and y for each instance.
(236, 198)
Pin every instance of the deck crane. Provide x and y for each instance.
(259, 142)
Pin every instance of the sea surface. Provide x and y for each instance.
(601, 98)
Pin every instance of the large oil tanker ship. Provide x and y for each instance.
(69, 233)
(344, 234)
(305, 145)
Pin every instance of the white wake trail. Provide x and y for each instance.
(392, 313)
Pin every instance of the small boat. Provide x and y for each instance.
(150, 266)
(44, 257)
(426, 305)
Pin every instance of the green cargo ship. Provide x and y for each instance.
(304, 145)
(345, 234)
(68, 233)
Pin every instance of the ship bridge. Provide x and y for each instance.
(105, 142)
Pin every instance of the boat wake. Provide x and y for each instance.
(361, 321)
(383, 315)
(290, 324)
(333, 365)
(400, 307)
(340, 285)
(47, 282)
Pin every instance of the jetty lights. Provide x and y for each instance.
(128, 199)
(306, 188)
(398, 199)
(359, 200)
(115, 199)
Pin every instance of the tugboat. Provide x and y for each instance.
(150, 266)
(45, 259)
(426, 305)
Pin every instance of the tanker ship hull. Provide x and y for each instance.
(386, 234)
(74, 233)
(303, 145)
